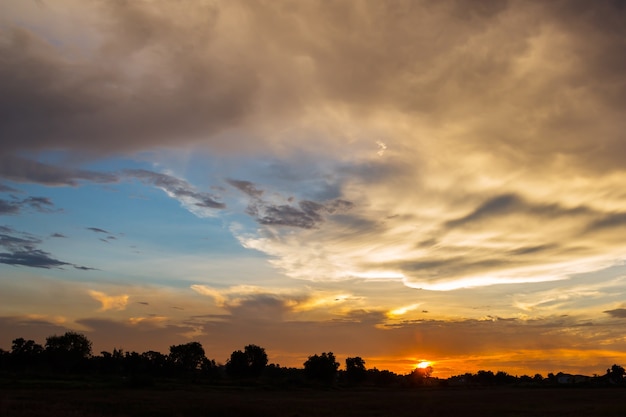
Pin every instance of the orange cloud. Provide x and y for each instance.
(110, 302)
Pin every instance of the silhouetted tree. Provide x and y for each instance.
(321, 367)
(419, 376)
(4, 359)
(210, 368)
(25, 354)
(484, 377)
(155, 362)
(187, 357)
(68, 352)
(383, 378)
(502, 378)
(72, 343)
(616, 374)
(110, 363)
(249, 363)
(355, 370)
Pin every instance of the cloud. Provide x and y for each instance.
(20, 169)
(110, 302)
(245, 301)
(8, 207)
(619, 313)
(459, 345)
(305, 214)
(97, 230)
(6, 189)
(108, 102)
(34, 258)
(246, 187)
(40, 204)
(533, 56)
(22, 250)
(502, 134)
(199, 203)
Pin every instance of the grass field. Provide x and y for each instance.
(236, 402)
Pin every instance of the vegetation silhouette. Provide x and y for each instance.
(70, 356)
(355, 370)
(322, 368)
(249, 363)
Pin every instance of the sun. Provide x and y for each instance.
(424, 364)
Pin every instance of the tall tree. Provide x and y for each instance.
(187, 357)
(321, 367)
(25, 354)
(74, 344)
(247, 363)
(355, 370)
(69, 351)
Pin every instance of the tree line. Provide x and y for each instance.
(71, 354)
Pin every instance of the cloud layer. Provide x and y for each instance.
(456, 144)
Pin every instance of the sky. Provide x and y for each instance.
(404, 181)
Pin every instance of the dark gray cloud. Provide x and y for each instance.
(58, 235)
(513, 204)
(6, 189)
(305, 214)
(9, 207)
(619, 313)
(363, 316)
(259, 307)
(90, 104)
(532, 250)
(246, 187)
(22, 249)
(40, 204)
(177, 188)
(609, 221)
(34, 258)
(20, 169)
(286, 60)
(97, 230)
(285, 215)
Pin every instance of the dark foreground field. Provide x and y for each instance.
(234, 402)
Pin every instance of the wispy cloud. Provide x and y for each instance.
(200, 203)
(16, 206)
(305, 214)
(242, 300)
(6, 189)
(619, 313)
(449, 141)
(22, 249)
(20, 169)
(110, 302)
(97, 230)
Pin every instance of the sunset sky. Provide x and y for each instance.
(404, 181)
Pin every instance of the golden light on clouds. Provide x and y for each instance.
(110, 302)
(401, 311)
(448, 173)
